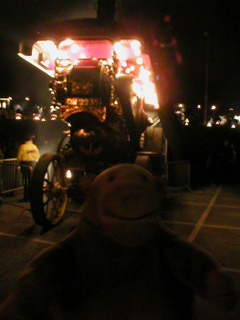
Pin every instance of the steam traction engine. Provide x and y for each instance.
(103, 88)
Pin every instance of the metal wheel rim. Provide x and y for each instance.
(54, 193)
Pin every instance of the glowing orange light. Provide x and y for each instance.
(18, 116)
(36, 117)
(53, 117)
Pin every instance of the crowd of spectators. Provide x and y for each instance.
(215, 160)
(224, 163)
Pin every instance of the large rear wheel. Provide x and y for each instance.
(48, 192)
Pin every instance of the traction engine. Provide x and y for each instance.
(105, 91)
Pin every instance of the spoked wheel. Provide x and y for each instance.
(48, 192)
(64, 141)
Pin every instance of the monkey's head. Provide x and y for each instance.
(123, 204)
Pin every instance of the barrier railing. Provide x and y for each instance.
(11, 176)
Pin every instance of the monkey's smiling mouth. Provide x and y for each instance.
(110, 214)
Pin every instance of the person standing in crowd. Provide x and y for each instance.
(2, 147)
(1, 153)
(28, 155)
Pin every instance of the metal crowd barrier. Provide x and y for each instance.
(11, 176)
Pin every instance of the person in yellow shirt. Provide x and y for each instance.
(27, 157)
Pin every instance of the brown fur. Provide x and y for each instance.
(119, 263)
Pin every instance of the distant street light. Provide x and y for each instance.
(207, 75)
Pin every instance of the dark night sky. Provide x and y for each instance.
(189, 20)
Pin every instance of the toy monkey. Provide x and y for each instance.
(119, 263)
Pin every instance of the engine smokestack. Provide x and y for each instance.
(106, 10)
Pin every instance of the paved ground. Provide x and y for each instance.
(209, 217)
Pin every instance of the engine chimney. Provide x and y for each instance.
(106, 10)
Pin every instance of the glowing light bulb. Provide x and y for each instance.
(74, 48)
(82, 56)
(135, 45)
(139, 60)
(69, 174)
(64, 43)
(121, 53)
